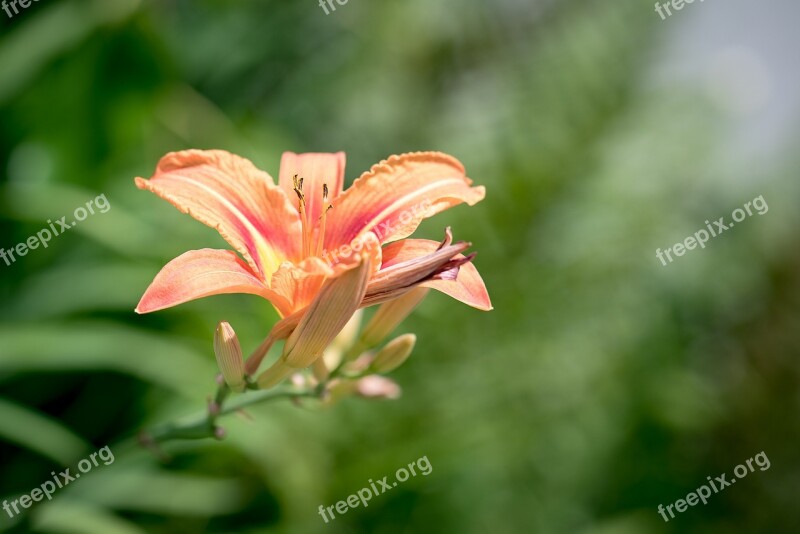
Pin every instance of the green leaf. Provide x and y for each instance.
(69, 516)
(100, 345)
(40, 433)
(117, 229)
(81, 288)
(134, 487)
(48, 33)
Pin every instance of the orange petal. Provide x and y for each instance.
(231, 195)
(397, 194)
(300, 283)
(324, 319)
(468, 287)
(316, 169)
(201, 273)
(403, 275)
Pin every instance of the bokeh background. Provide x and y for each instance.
(602, 385)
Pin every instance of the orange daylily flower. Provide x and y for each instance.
(294, 235)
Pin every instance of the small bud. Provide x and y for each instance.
(339, 389)
(360, 364)
(390, 315)
(229, 356)
(348, 335)
(394, 354)
(377, 387)
(320, 370)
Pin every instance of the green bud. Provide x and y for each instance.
(394, 354)
(229, 356)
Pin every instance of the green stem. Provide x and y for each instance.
(204, 426)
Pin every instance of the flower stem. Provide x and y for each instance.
(204, 426)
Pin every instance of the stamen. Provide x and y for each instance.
(298, 189)
(322, 218)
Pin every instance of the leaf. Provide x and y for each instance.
(69, 516)
(117, 229)
(101, 345)
(81, 288)
(40, 433)
(49, 33)
(134, 487)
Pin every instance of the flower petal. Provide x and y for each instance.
(300, 283)
(231, 195)
(468, 287)
(316, 169)
(201, 273)
(397, 194)
(324, 319)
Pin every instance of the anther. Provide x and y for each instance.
(321, 238)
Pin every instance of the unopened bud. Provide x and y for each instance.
(339, 389)
(377, 387)
(229, 356)
(394, 354)
(320, 370)
(390, 315)
(349, 333)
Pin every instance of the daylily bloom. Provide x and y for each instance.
(294, 235)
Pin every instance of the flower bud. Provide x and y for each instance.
(377, 387)
(332, 356)
(320, 370)
(349, 333)
(394, 354)
(390, 315)
(229, 356)
(339, 389)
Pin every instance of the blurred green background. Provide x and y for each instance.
(602, 385)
